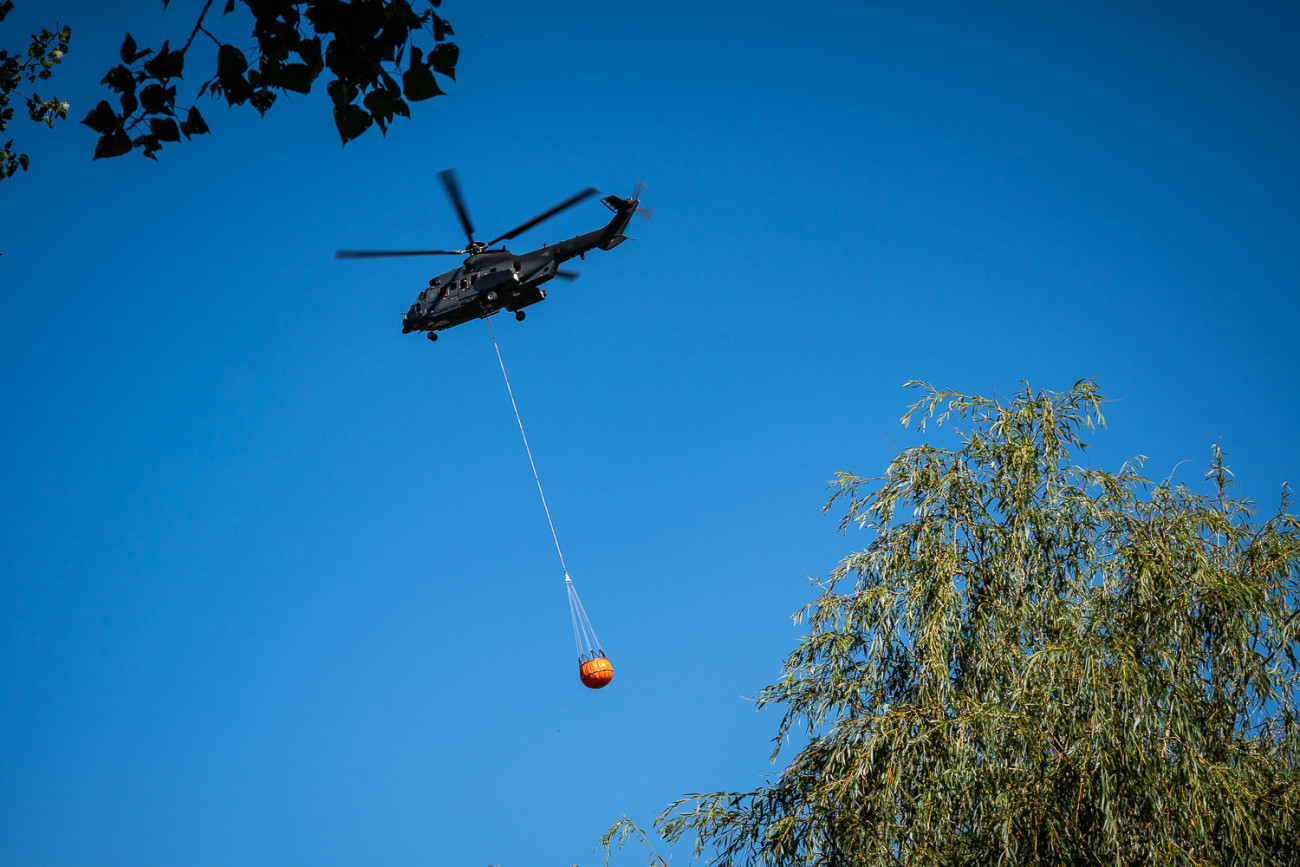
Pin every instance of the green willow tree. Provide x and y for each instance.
(1032, 663)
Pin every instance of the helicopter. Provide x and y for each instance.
(491, 280)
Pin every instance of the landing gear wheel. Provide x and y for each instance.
(492, 296)
(432, 335)
(519, 316)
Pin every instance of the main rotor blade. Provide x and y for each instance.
(376, 254)
(564, 274)
(546, 215)
(452, 186)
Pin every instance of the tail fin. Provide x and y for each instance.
(623, 210)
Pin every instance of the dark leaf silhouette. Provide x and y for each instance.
(351, 121)
(102, 119)
(112, 145)
(165, 129)
(368, 49)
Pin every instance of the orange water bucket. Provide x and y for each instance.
(596, 673)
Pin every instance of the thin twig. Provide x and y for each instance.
(198, 25)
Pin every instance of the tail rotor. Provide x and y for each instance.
(643, 212)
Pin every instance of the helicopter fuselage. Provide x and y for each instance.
(490, 280)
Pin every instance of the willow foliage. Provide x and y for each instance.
(1033, 663)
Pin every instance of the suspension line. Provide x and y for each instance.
(520, 422)
(594, 669)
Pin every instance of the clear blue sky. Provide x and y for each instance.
(275, 584)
